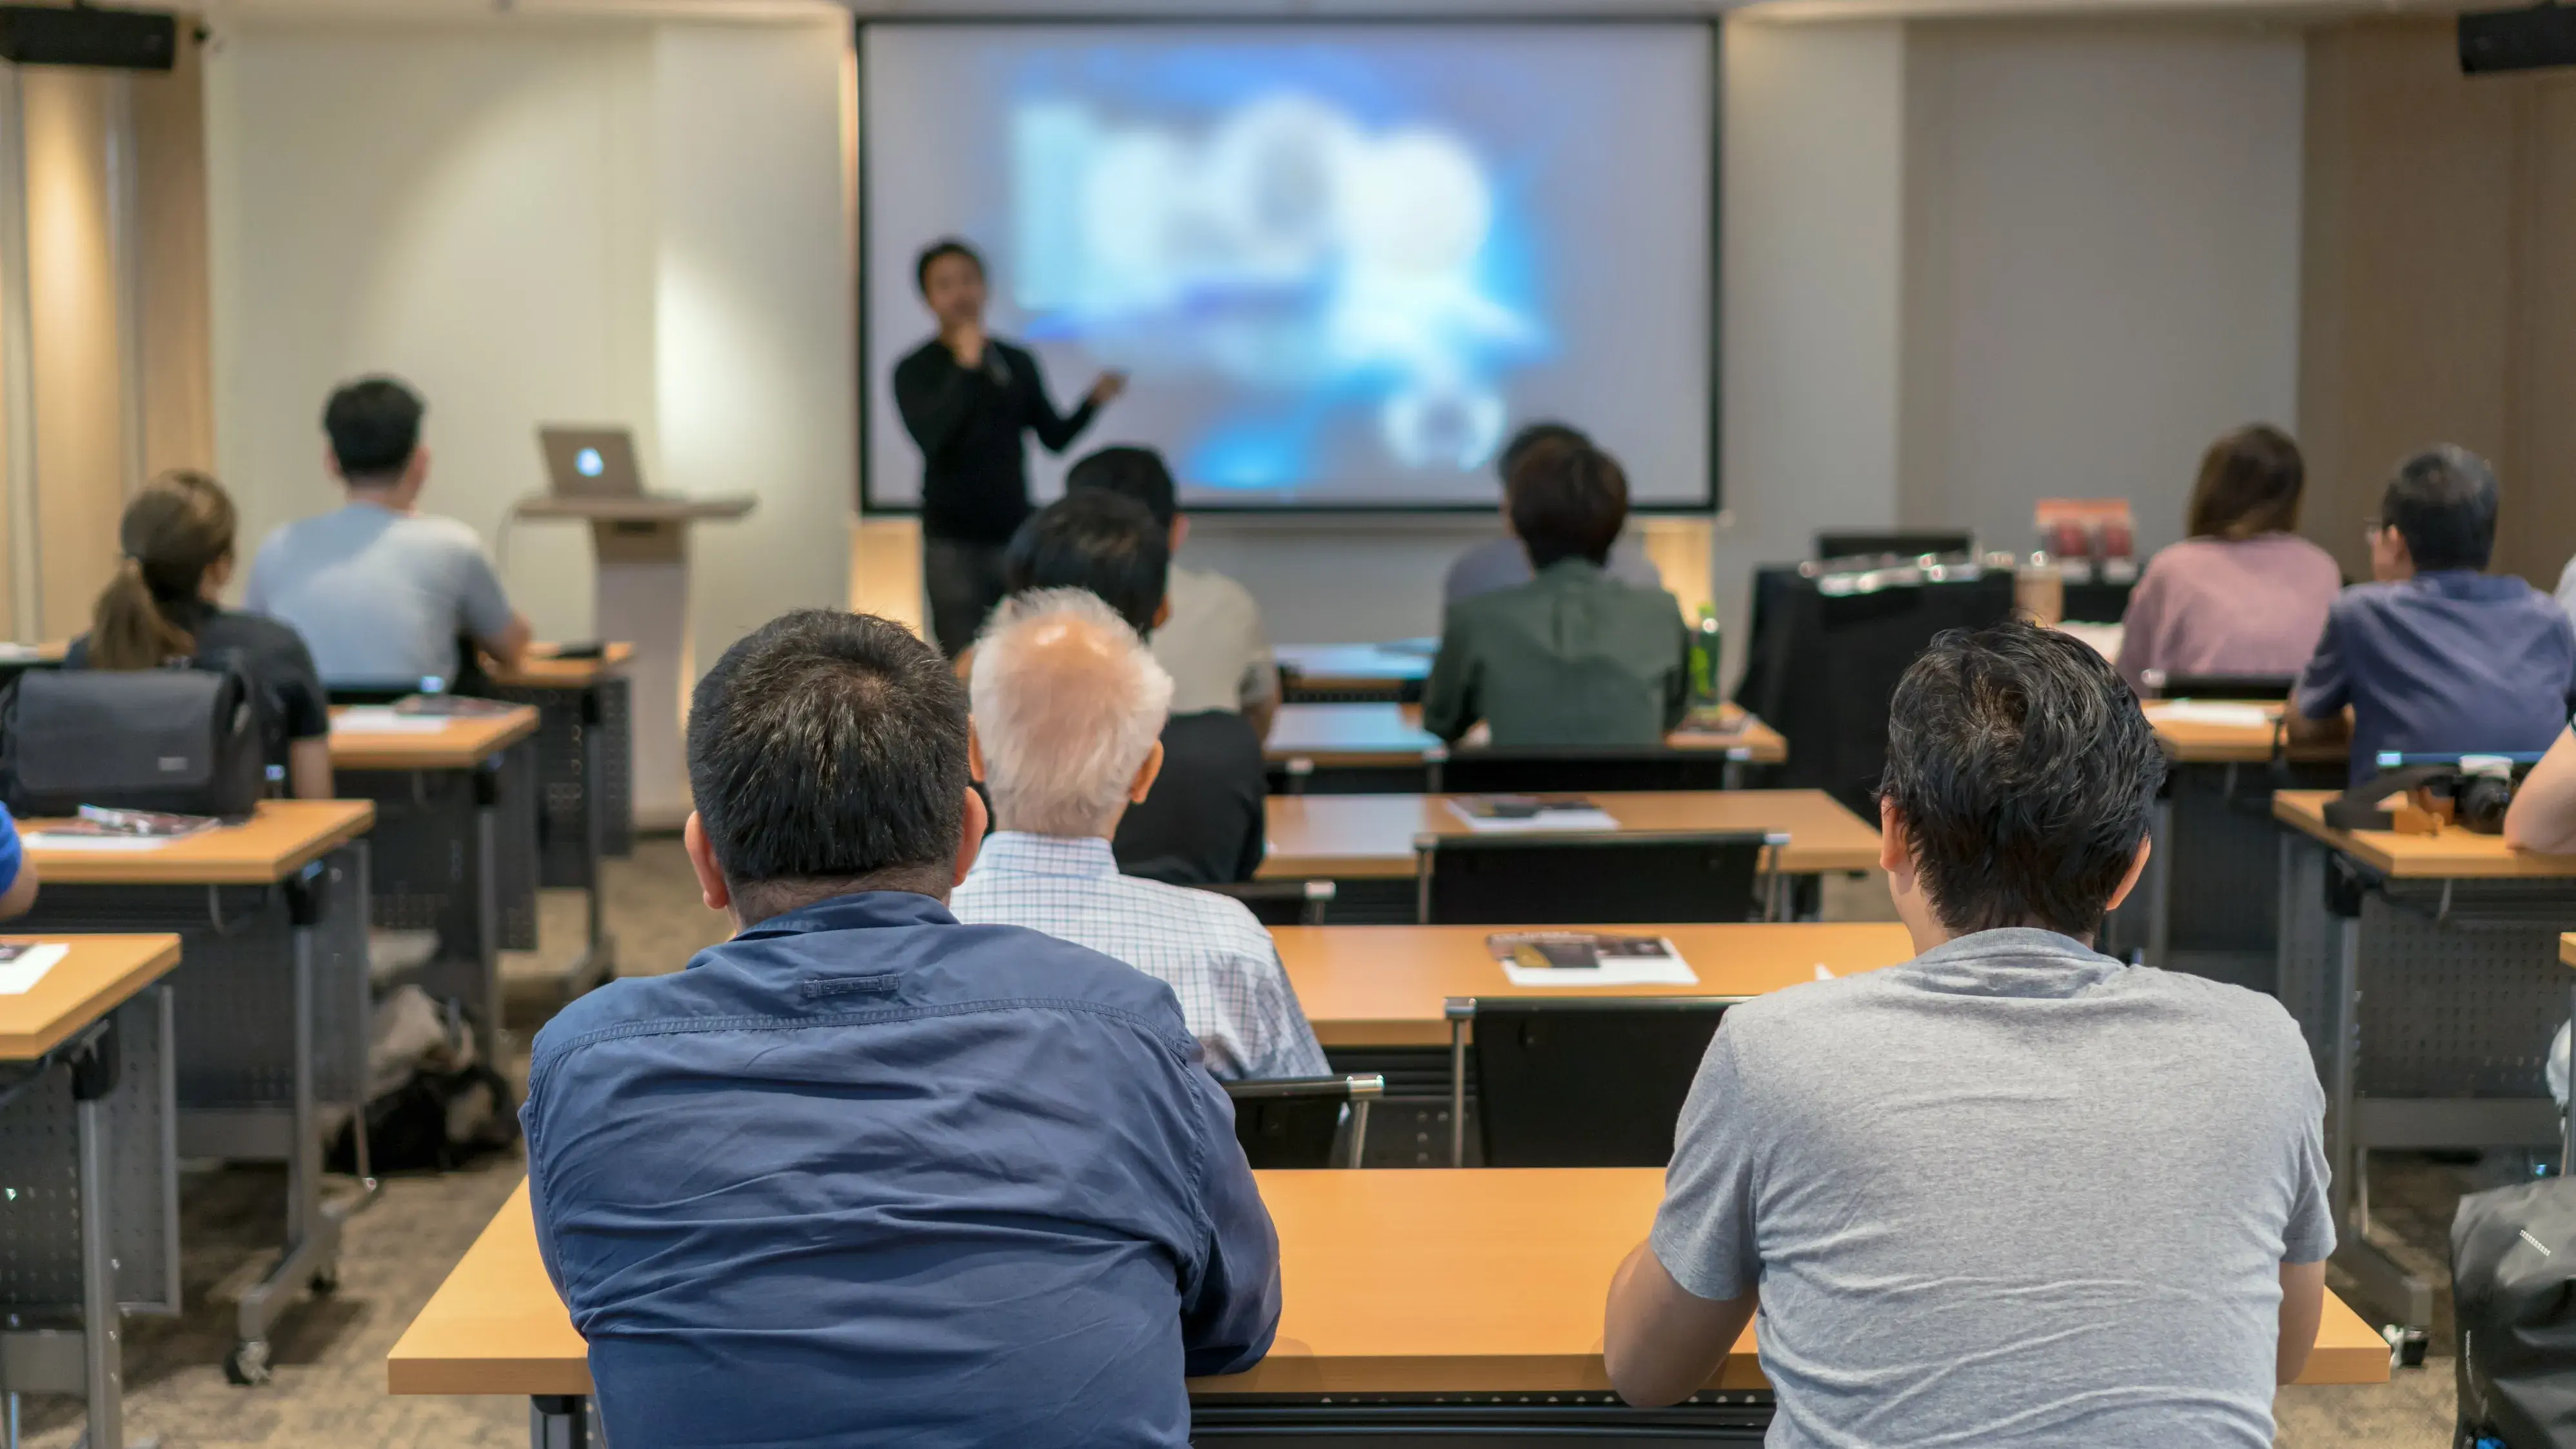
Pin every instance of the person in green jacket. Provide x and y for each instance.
(1574, 656)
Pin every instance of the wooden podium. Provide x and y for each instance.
(641, 542)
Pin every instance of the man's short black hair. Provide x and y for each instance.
(1138, 473)
(1530, 437)
(1097, 540)
(2443, 503)
(374, 426)
(2025, 775)
(947, 246)
(827, 754)
(1566, 499)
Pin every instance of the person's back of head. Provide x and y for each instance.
(177, 529)
(374, 427)
(1100, 541)
(1566, 499)
(2443, 502)
(1132, 472)
(2024, 777)
(2249, 484)
(827, 756)
(1530, 437)
(1068, 705)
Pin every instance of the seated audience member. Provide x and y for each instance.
(2543, 818)
(1204, 824)
(2244, 594)
(863, 1173)
(17, 873)
(1574, 656)
(1211, 640)
(380, 592)
(1907, 1173)
(162, 606)
(1067, 706)
(2438, 657)
(1504, 564)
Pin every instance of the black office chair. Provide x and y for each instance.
(1551, 878)
(1280, 902)
(2271, 688)
(1577, 768)
(1294, 1121)
(1887, 543)
(1582, 1081)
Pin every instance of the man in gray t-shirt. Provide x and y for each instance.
(381, 593)
(2012, 1192)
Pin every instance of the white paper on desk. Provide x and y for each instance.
(1593, 818)
(41, 840)
(1668, 969)
(374, 720)
(2215, 712)
(29, 967)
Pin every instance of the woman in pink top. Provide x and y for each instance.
(2243, 594)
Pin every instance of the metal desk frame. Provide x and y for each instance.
(593, 716)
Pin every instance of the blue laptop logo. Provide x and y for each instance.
(587, 463)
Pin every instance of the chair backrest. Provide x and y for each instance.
(1552, 879)
(2221, 686)
(1885, 543)
(1584, 1081)
(1294, 1121)
(1280, 902)
(1531, 771)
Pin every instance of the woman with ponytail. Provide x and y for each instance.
(160, 609)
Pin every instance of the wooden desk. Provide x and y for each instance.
(1356, 668)
(1384, 986)
(1391, 736)
(98, 976)
(280, 838)
(1360, 837)
(2455, 854)
(542, 668)
(2204, 742)
(460, 743)
(1392, 1282)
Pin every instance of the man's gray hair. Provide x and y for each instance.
(1068, 702)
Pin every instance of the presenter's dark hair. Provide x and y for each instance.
(1566, 499)
(947, 246)
(2249, 483)
(2025, 776)
(1134, 472)
(2443, 503)
(1097, 540)
(827, 754)
(374, 426)
(1530, 437)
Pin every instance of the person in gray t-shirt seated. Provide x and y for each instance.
(1490, 568)
(381, 593)
(2012, 1192)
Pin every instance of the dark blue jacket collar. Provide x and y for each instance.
(863, 911)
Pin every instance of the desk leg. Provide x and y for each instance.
(2382, 1283)
(102, 1322)
(487, 912)
(312, 1250)
(559, 1421)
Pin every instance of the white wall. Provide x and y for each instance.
(2103, 237)
(549, 221)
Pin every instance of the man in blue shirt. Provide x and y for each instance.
(862, 1174)
(2438, 657)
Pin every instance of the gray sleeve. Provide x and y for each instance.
(481, 606)
(1704, 1231)
(2309, 1236)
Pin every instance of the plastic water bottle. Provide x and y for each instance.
(1704, 653)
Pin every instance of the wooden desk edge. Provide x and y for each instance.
(144, 972)
(2567, 949)
(110, 867)
(361, 750)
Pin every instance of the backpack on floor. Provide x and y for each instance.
(431, 1106)
(2513, 1287)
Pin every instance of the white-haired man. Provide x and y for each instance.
(1068, 712)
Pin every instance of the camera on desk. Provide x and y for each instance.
(2469, 791)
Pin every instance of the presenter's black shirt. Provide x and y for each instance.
(974, 469)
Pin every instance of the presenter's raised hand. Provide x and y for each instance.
(966, 343)
(1107, 389)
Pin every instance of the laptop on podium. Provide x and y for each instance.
(591, 462)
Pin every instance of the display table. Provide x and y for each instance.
(641, 544)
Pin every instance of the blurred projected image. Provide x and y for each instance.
(1338, 264)
(1331, 270)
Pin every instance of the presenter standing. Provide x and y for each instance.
(966, 398)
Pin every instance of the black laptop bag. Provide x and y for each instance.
(184, 740)
(2513, 1284)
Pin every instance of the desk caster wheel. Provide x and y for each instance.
(326, 1281)
(247, 1364)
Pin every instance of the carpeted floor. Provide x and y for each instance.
(328, 1388)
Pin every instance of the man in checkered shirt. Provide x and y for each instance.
(1068, 708)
